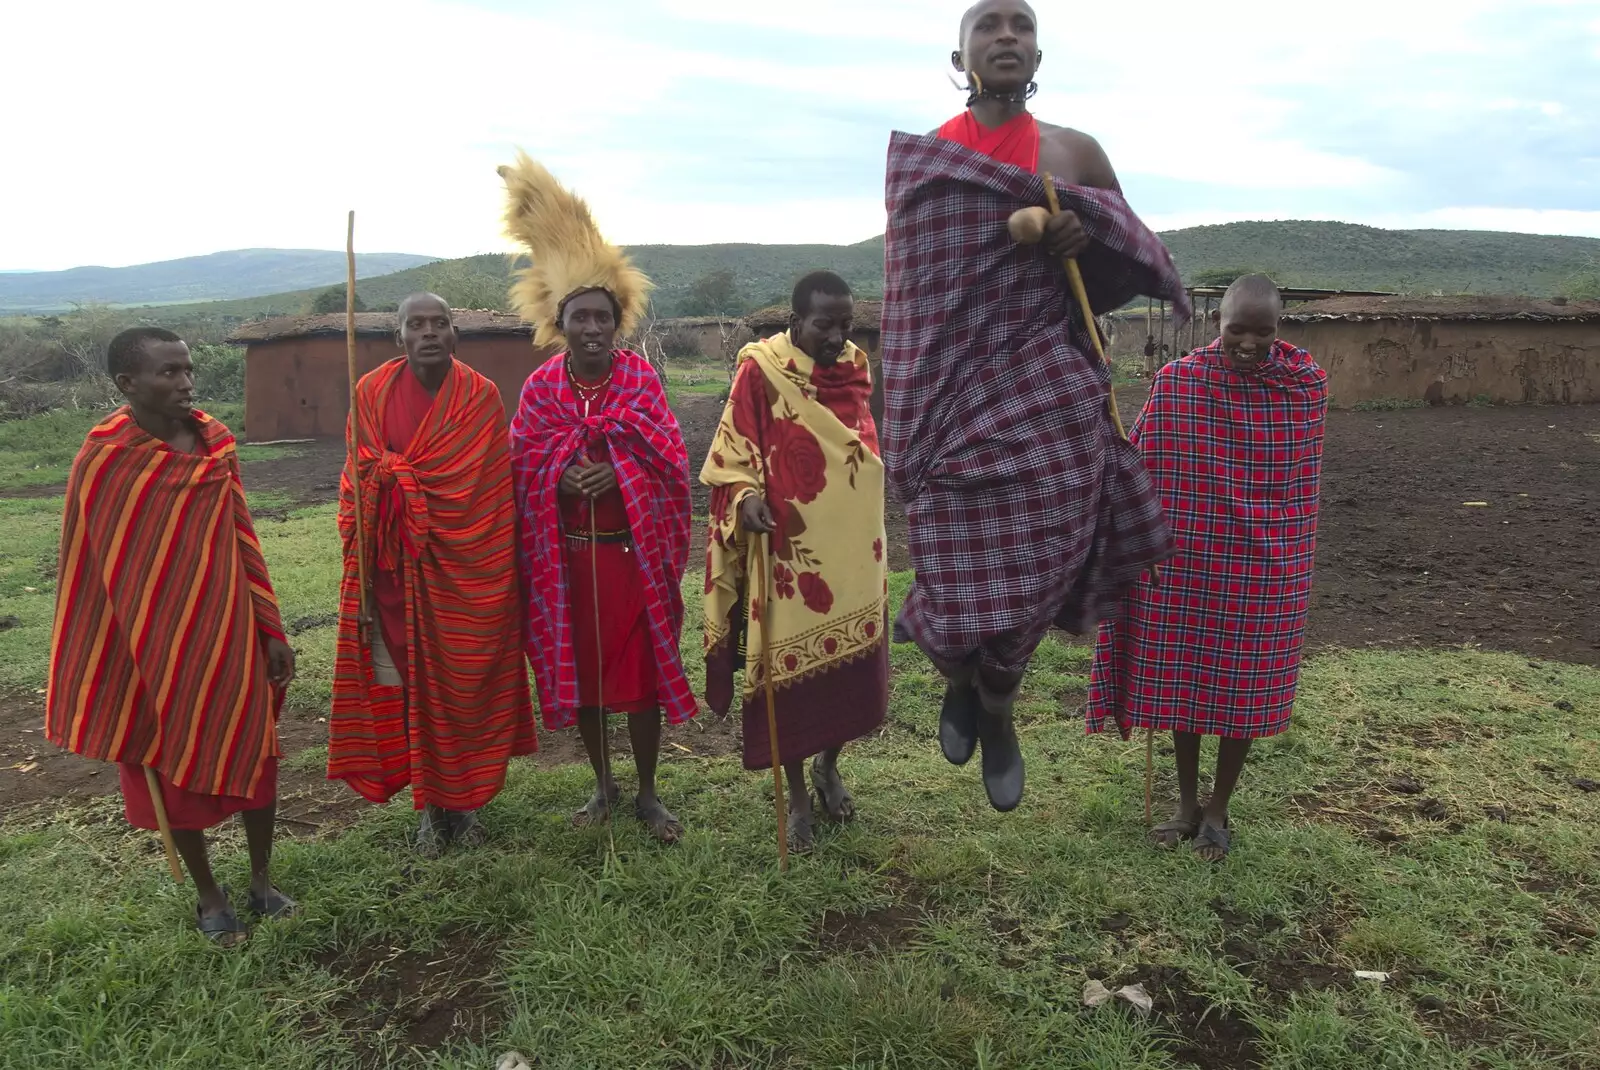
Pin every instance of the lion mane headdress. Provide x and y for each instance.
(568, 253)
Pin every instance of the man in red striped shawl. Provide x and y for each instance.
(1026, 509)
(436, 698)
(602, 484)
(168, 653)
(1232, 436)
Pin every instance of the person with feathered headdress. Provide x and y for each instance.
(602, 483)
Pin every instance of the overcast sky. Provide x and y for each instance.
(147, 131)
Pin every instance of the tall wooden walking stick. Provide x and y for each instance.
(353, 429)
(160, 806)
(1079, 291)
(759, 547)
(600, 674)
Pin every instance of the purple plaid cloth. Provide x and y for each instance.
(1025, 508)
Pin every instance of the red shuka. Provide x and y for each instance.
(162, 604)
(629, 662)
(440, 527)
(1015, 141)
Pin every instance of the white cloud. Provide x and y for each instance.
(184, 126)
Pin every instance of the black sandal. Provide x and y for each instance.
(1213, 836)
(276, 905)
(1178, 828)
(223, 929)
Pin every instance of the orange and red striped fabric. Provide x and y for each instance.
(162, 604)
(470, 707)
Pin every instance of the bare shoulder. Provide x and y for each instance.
(1075, 157)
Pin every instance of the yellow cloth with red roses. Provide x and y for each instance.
(802, 435)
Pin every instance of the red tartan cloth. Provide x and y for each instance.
(1025, 508)
(623, 635)
(1015, 141)
(1213, 645)
(638, 429)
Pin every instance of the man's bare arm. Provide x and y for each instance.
(1076, 158)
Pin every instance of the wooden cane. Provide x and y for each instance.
(758, 567)
(1149, 766)
(1081, 292)
(353, 427)
(1075, 279)
(600, 673)
(160, 806)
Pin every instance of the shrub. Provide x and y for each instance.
(218, 372)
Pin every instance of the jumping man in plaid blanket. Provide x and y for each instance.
(1026, 509)
(1232, 436)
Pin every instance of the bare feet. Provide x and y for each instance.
(662, 823)
(1181, 827)
(836, 798)
(802, 836)
(597, 811)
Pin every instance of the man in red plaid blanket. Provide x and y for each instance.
(1026, 508)
(1232, 436)
(602, 487)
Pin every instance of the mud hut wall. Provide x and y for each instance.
(297, 387)
(1505, 361)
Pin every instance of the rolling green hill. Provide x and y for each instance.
(1349, 257)
(1295, 253)
(235, 273)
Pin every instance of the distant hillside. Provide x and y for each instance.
(234, 274)
(1345, 256)
(762, 275)
(1327, 255)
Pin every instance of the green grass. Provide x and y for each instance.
(971, 932)
(932, 932)
(38, 451)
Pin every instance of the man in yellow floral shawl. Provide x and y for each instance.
(796, 455)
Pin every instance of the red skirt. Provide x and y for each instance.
(624, 653)
(189, 810)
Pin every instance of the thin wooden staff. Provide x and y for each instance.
(353, 427)
(160, 806)
(759, 546)
(1075, 278)
(600, 675)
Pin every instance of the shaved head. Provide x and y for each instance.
(427, 332)
(423, 299)
(1249, 320)
(982, 6)
(1256, 289)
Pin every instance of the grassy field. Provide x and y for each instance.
(1419, 819)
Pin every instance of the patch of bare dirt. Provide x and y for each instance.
(1203, 1034)
(34, 771)
(887, 928)
(422, 1000)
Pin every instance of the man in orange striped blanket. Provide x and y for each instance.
(430, 688)
(168, 653)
